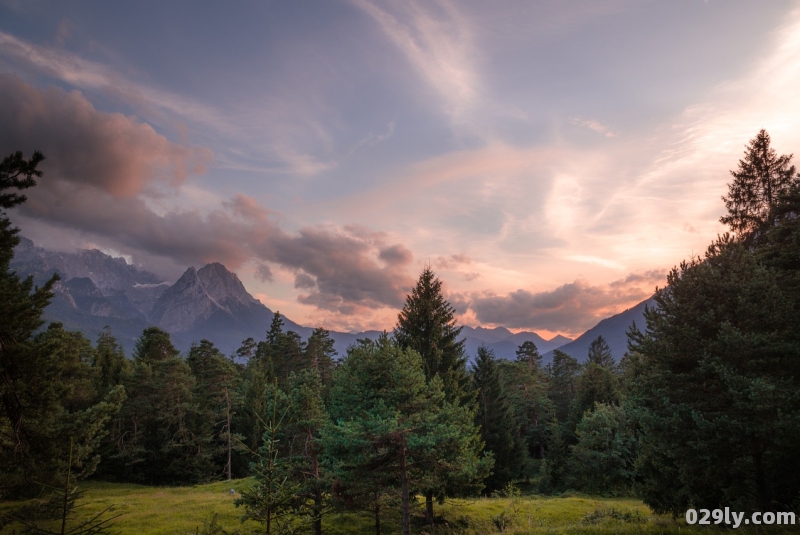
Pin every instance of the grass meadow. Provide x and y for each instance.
(190, 510)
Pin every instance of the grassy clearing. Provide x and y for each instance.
(182, 510)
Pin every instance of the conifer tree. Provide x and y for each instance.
(155, 443)
(320, 354)
(600, 354)
(495, 417)
(528, 353)
(596, 384)
(305, 419)
(758, 183)
(427, 325)
(216, 402)
(726, 329)
(392, 430)
(526, 387)
(46, 392)
(110, 364)
(274, 498)
(563, 376)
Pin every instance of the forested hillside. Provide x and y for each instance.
(702, 411)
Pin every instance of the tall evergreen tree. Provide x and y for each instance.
(596, 384)
(761, 178)
(110, 364)
(427, 325)
(155, 443)
(320, 354)
(563, 379)
(216, 403)
(392, 430)
(528, 353)
(600, 354)
(720, 363)
(526, 388)
(275, 497)
(46, 392)
(304, 422)
(495, 416)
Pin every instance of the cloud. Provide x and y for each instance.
(305, 282)
(105, 151)
(453, 261)
(572, 308)
(114, 179)
(264, 273)
(396, 254)
(274, 135)
(437, 41)
(591, 124)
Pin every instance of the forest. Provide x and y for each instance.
(703, 411)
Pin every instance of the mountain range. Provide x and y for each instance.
(97, 290)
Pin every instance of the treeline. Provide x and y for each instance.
(703, 410)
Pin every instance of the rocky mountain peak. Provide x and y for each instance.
(224, 286)
(199, 294)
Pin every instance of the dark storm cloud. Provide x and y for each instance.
(106, 171)
(574, 306)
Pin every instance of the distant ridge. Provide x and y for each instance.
(97, 290)
(613, 329)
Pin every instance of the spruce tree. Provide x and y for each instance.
(600, 354)
(46, 391)
(563, 379)
(110, 364)
(495, 417)
(216, 402)
(392, 430)
(758, 183)
(427, 325)
(320, 354)
(721, 364)
(156, 442)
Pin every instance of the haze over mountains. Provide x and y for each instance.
(211, 302)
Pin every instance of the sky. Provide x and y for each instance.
(551, 161)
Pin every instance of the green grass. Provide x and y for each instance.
(182, 510)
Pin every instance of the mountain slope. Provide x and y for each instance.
(613, 329)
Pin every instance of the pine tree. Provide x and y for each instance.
(390, 430)
(216, 382)
(563, 379)
(155, 443)
(110, 364)
(495, 417)
(758, 183)
(720, 363)
(46, 392)
(320, 354)
(600, 354)
(427, 325)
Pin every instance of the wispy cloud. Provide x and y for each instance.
(275, 131)
(591, 124)
(436, 39)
